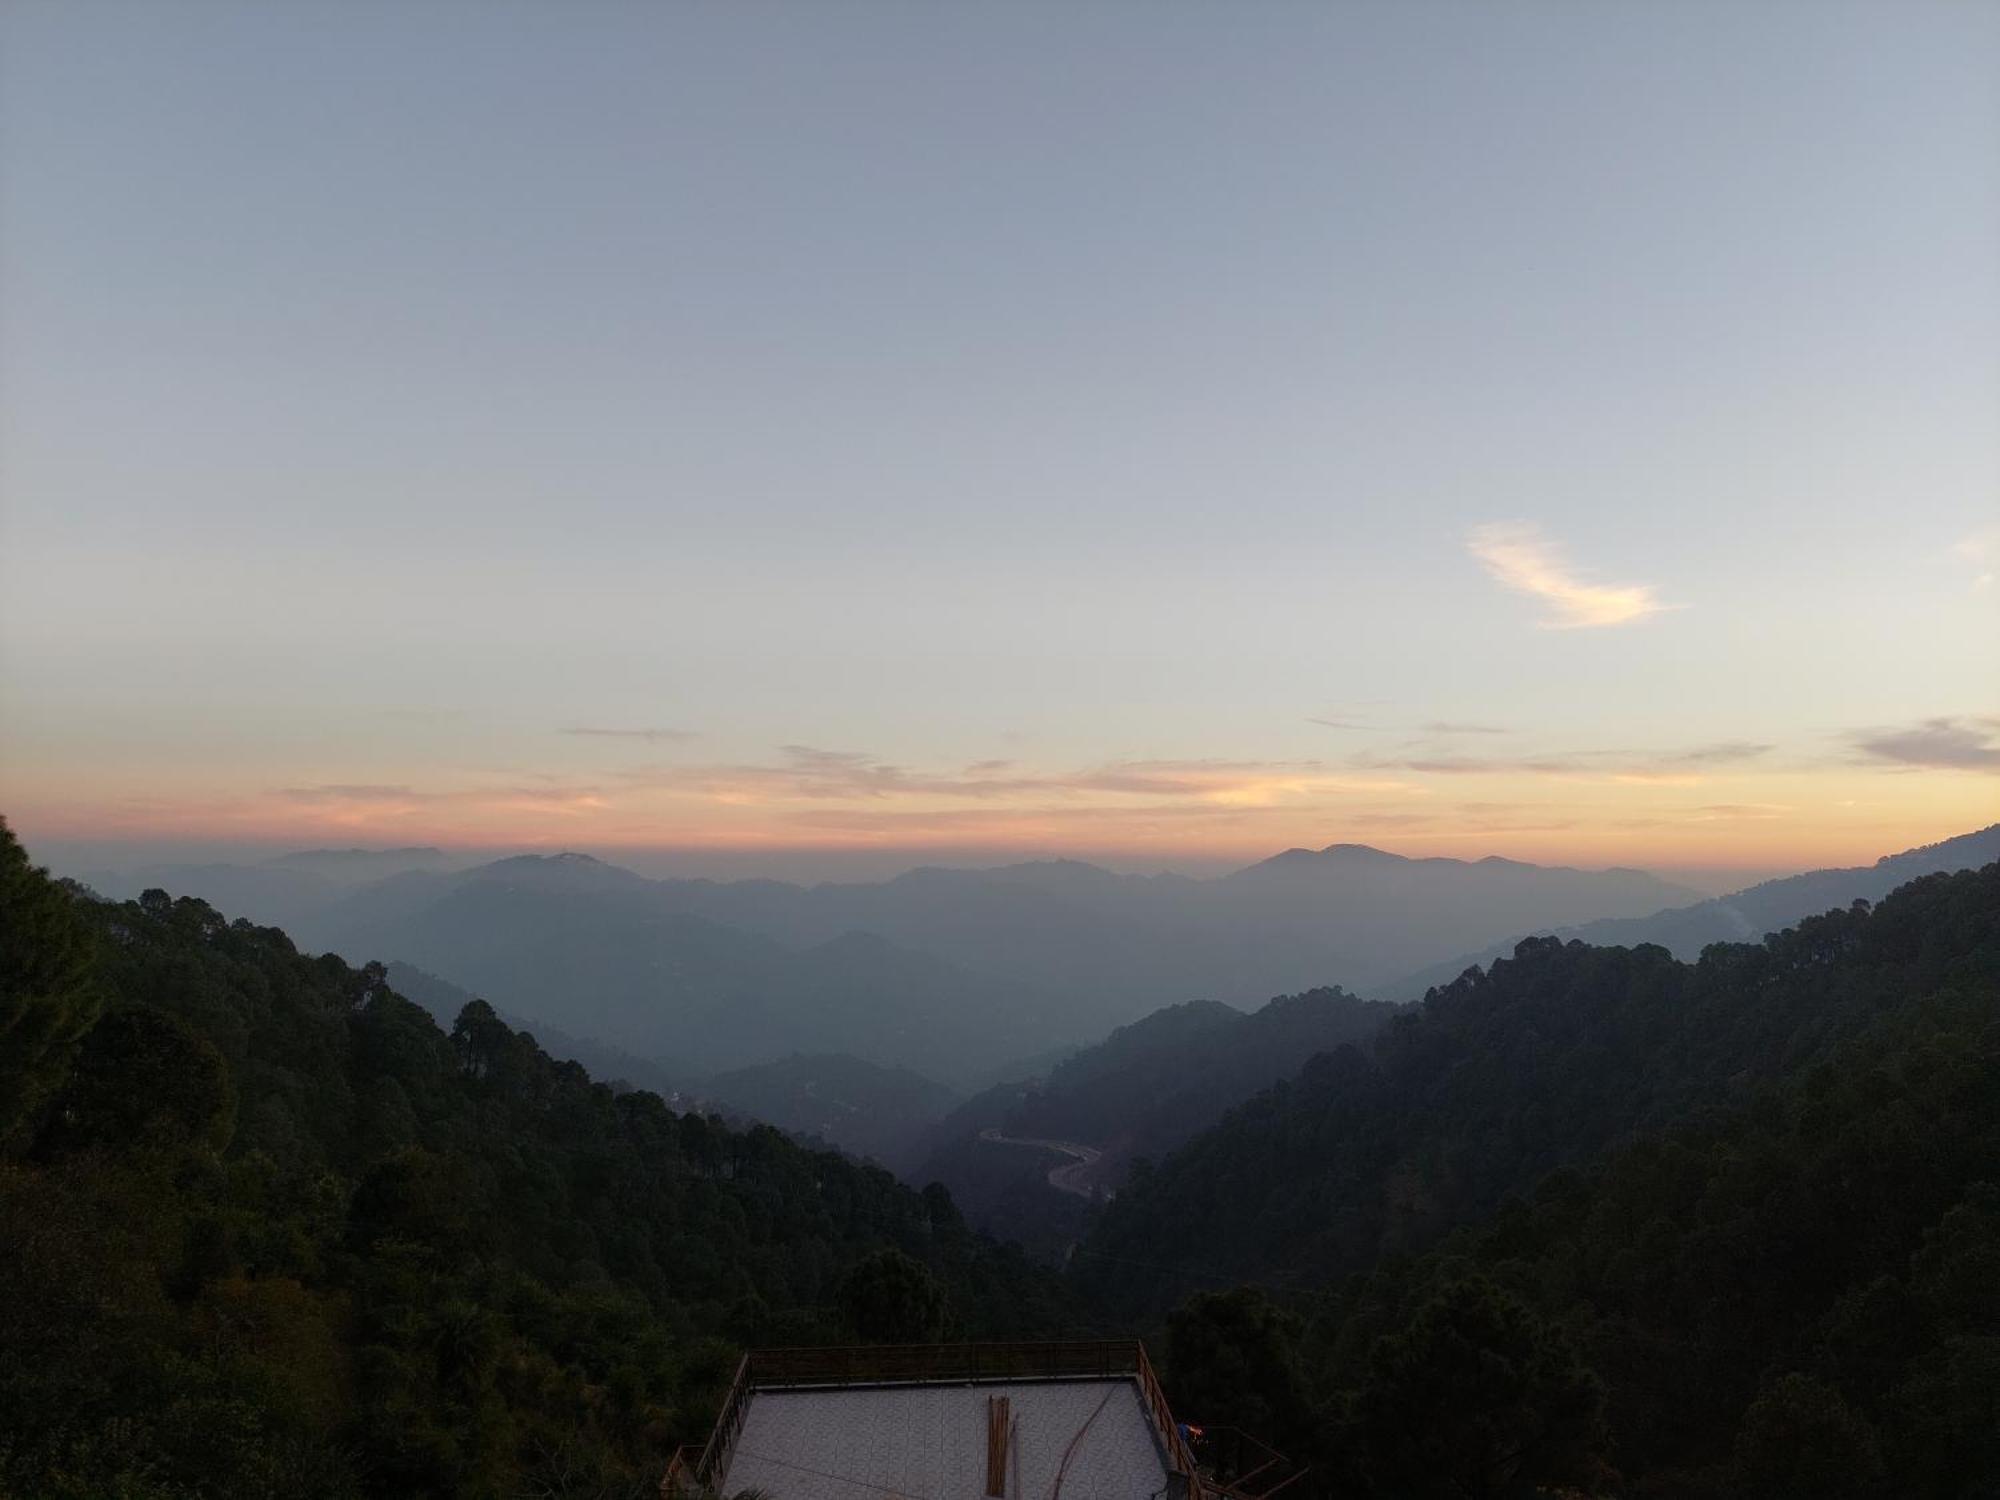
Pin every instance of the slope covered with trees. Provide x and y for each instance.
(1141, 1092)
(1504, 1075)
(1780, 1278)
(1152, 1085)
(860, 1107)
(266, 1228)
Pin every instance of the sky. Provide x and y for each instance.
(766, 435)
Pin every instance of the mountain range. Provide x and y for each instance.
(947, 972)
(1742, 916)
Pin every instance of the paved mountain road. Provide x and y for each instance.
(1070, 1177)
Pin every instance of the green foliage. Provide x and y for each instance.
(1801, 1441)
(1232, 1360)
(279, 1234)
(142, 1079)
(1503, 1077)
(48, 998)
(1791, 1287)
(890, 1298)
(1477, 1397)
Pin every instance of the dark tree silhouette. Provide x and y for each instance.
(48, 997)
(1232, 1360)
(1477, 1397)
(890, 1298)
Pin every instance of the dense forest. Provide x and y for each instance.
(1782, 1277)
(266, 1228)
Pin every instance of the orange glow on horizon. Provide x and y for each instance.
(1151, 813)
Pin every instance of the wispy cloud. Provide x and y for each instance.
(1739, 812)
(344, 792)
(361, 801)
(1177, 820)
(648, 736)
(1519, 557)
(811, 773)
(1429, 726)
(1682, 767)
(1982, 549)
(1721, 752)
(1945, 744)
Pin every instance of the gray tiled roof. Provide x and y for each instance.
(928, 1442)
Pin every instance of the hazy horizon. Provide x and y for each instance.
(874, 435)
(77, 858)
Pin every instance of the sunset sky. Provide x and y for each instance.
(1157, 433)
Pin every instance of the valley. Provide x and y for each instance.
(1071, 1177)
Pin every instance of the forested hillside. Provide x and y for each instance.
(265, 1228)
(1150, 1086)
(865, 1110)
(1782, 1280)
(1144, 1090)
(1507, 1074)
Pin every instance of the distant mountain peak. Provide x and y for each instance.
(1065, 865)
(1359, 852)
(567, 858)
(1980, 845)
(565, 866)
(1332, 854)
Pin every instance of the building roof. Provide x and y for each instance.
(1059, 1421)
(929, 1442)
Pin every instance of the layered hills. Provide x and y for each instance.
(948, 973)
(1742, 916)
(1596, 1220)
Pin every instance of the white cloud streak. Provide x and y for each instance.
(1519, 557)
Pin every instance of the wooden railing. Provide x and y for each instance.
(721, 1442)
(1164, 1425)
(690, 1474)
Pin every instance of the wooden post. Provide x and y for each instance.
(999, 1424)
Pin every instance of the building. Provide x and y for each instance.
(1054, 1421)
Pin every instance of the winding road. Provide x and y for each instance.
(1071, 1176)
